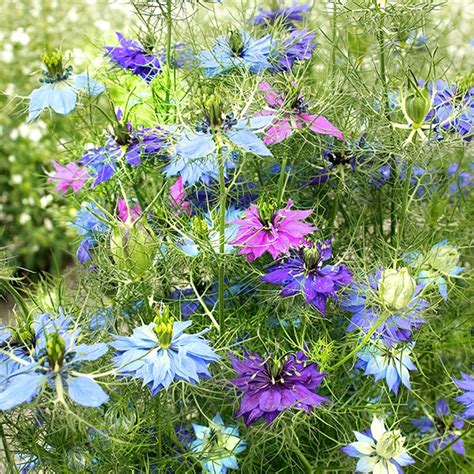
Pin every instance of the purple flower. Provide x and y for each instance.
(442, 428)
(467, 398)
(134, 57)
(283, 16)
(271, 386)
(69, 176)
(304, 272)
(264, 229)
(366, 302)
(298, 46)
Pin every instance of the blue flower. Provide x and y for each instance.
(60, 87)
(239, 50)
(283, 15)
(195, 153)
(390, 363)
(305, 273)
(208, 230)
(443, 427)
(370, 310)
(160, 353)
(467, 398)
(440, 263)
(217, 445)
(52, 359)
(89, 222)
(298, 46)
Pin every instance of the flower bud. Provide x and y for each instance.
(132, 246)
(418, 104)
(266, 211)
(443, 257)
(164, 327)
(55, 350)
(311, 256)
(200, 227)
(396, 288)
(390, 444)
(53, 60)
(236, 42)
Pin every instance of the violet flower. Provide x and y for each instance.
(69, 176)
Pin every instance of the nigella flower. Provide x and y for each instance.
(390, 363)
(271, 386)
(443, 428)
(379, 451)
(297, 118)
(161, 352)
(285, 16)
(51, 357)
(467, 398)
(206, 233)
(237, 51)
(267, 229)
(462, 181)
(305, 273)
(297, 46)
(389, 302)
(71, 175)
(131, 55)
(126, 212)
(60, 88)
(91, 223)
(217, 445)
(178, 196)
(125, 144)
(440, 263)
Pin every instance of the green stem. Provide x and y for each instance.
(6, 450)
(334, 38)
(282, 179)
(335, 210)
(406, 192)
(308, 468)
(222, 212)
(169, 32)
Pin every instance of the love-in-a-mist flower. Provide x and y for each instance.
(237, 51)
(51, 357)
(60, 87)
(297, 45)
(138, 59)
(305, 273)
(178, 197)
(205, 233)
(267, 229)
(127, 211)
(272, 385)
(161, 352)
(467, 398)
(284, 16)
(442, 428)
(379, 450)
(290, 114)
(388, 305)
(217, 445)
(69, 176)
(390, 363)
(91, 223)
(124, 145)
(438, 265)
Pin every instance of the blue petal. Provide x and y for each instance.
(19, 389)
(443, 287)
(62, 98)
(194, 145)
(86, 391)
(39, 100)
(89, 352)
(248, 141)
(84, 81)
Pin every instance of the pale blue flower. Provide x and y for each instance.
(217, 445)
(390, 363)
(160, 356)
(189, 245)
(61, 96)
(240, 51)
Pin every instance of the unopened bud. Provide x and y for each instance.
(418, 104)
(396, 288)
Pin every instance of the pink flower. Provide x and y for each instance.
(177, 196)
(276, 235)
(67, 176)
(280, 129)
(123, 211)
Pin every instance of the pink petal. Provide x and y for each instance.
(321, 125)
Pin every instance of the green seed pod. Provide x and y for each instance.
(236, 42)
(164, 327)
(133, 246)
(418, 104)
(55, 350)
(396, 288)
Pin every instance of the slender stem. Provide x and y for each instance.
(334, 38)
(169, 32)
(403, 211)
(334, 210)
(308, 468)
(282, 179)
(222, 212)
(6, 450)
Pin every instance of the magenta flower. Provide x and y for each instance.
(178, 196)
(298, 118)
(125, 211)
(264, 229)
(71, 175)
(271, 386)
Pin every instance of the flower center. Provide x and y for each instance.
(164, 327)
(390, 444)
(236, 43)
(55, 70)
